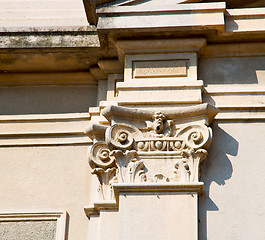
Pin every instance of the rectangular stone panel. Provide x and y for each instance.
(26, 230)
(164, 68)
(33, 226)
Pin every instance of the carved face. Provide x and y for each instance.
(158, 124)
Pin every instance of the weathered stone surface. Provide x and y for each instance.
(45, 37)
(166, 68)
(28, 230)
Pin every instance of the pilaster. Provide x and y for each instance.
(147, 153)
(148, 163)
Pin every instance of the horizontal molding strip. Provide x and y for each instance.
(248, 89)
(241, 113)
(44, 129)
(48, 141)
(45, 117)
(237, 103)
(201, 7)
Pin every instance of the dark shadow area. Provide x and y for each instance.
(216, 168)
(232, 23)
(233, 3)
(47, 99)
(230, 70)
(67, 226)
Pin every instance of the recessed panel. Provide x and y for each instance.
(22, 230)
(165, 68)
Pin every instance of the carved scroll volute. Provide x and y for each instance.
(104, 167)
(196, 136)
(122, 136)
(99, 156)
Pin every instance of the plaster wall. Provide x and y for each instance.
(233, 171)
(41, 170)
(233, 177)
(43, 179)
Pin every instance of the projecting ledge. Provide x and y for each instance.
(100, 205)
(157, 187)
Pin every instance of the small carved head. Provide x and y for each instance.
(159, 120)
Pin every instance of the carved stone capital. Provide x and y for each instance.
(143, 150)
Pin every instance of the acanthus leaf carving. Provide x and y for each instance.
(136, 171)
(103, 165)
(187, 168)
(130, 169)
(106, 178)
(129, 153)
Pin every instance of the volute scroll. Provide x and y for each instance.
(160, 152)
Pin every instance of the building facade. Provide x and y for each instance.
(132, 119)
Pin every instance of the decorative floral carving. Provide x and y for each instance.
(106, 178)
(182, 171)
(187, 169)
(136, 171)
(158, 177)
(130, 169)
(123, 156)
(104, 167)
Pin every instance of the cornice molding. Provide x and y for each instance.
(158, 188)
(201, 16)
(112, 111)
(128, 47)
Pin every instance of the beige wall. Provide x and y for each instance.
(36, 179)
(232, 206)
(233, 171)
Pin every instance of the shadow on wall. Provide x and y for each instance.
(232, 70)
(67, 226)
(47, 99)
(216, 168)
